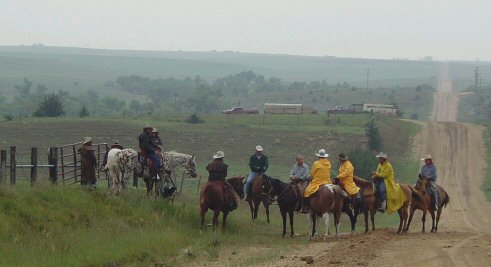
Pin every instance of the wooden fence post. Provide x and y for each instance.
(12, 165)
(74, 149)
(3, 168)
(62, 166)
(53, 160)
(34, 163)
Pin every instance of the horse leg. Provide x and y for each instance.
(252, 209)
(225, 214)
(400, 221)
(438, 217)
(283, 216)
(337, 217)
(203, 215)
(423, 219)
(432, 213)
(267, 210)
(216, 213)
(352, 219)
(365, 214)
(256, 208)
(372, 217)
(326, 220)
(290, 215)
(411, 213)
(312, 221)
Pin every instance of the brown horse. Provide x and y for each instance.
(257, 195)
(369, 203)
(328, 199)
(424, 203)
(213, 196)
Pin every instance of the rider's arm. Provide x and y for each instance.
(304, 174)
(431, 175)
(266, 164)
(344, 172)
(382, 172)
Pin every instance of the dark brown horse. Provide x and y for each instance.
(424, 203)
(286, 196)
(257, 195)
(369, 203)
(328, 199)
(214, 196)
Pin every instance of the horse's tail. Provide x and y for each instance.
(446, 200)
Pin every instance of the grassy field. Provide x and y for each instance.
(56, 226)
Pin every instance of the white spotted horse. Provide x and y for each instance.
(171, 162)
(121, 164)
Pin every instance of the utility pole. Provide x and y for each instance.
(368, 76)
(477, 78)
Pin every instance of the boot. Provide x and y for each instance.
(305, 205)
(383, 206)
(247, 197)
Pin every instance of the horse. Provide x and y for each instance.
(213, 197)
(257, 195)
(424, 203)
(171, 162)
(369, 203)
(287, 196)
(328, 199)
(121, 163)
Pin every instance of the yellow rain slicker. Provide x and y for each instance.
(320, 174)
(395, 195)
(346, 173)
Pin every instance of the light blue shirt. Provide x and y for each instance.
(429, 171)
(301, 172)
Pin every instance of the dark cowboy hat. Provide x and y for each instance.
(116, 145)
(342, 156)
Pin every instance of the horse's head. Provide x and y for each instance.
(191, 167)
(266, 187)
(421, 184)
(238, 185)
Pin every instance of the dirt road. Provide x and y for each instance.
(464, 237)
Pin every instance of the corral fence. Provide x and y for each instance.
(63, 164)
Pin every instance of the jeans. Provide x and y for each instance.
(381, 190)
(249, 180)
(156, 163)
(433, 191)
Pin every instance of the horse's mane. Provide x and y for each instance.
(361, 182)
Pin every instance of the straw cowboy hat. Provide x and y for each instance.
(342, 156)
(382, 155)
(322, 154)
(147, 126)
(259, 148)
(219, 155)
(87, 140)
(427, 156)
(154, 130)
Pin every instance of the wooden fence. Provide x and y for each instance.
(63, 164)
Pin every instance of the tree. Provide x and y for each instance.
(363, 161)
(83, 112)
(374, 138)
(51, 106)
(136, 106)
(205, 99)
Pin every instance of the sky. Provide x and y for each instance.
(445, 30)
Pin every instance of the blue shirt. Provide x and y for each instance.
(429, 171)
(301, 172)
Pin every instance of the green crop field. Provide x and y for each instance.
(55, 226)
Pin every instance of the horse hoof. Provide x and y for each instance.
(282, 236)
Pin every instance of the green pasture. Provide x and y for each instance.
(56, 226)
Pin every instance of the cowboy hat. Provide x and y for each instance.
(259, 148)
(342, 156)
(147, 126)
(117, 145)
(322, 154)
(219, 155)
(427, 156)
(154, 130)
(382, 155)
(87, 140)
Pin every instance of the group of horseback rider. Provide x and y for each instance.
(308, 183)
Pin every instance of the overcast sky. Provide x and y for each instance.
(458, 29)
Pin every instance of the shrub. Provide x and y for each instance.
(8, 117)
(194, 118)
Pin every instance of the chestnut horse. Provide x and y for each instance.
(424, 203)
(213, 196)
(328, 199)
(257, 195)
(369, 203)
(287, 196)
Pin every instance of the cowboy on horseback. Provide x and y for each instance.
(156, 140)
(299, 176)
(148, 150)
(386, 186)
(320, 175)
(217, 171)
(428, 171)
(345, 178)
(258, 163)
